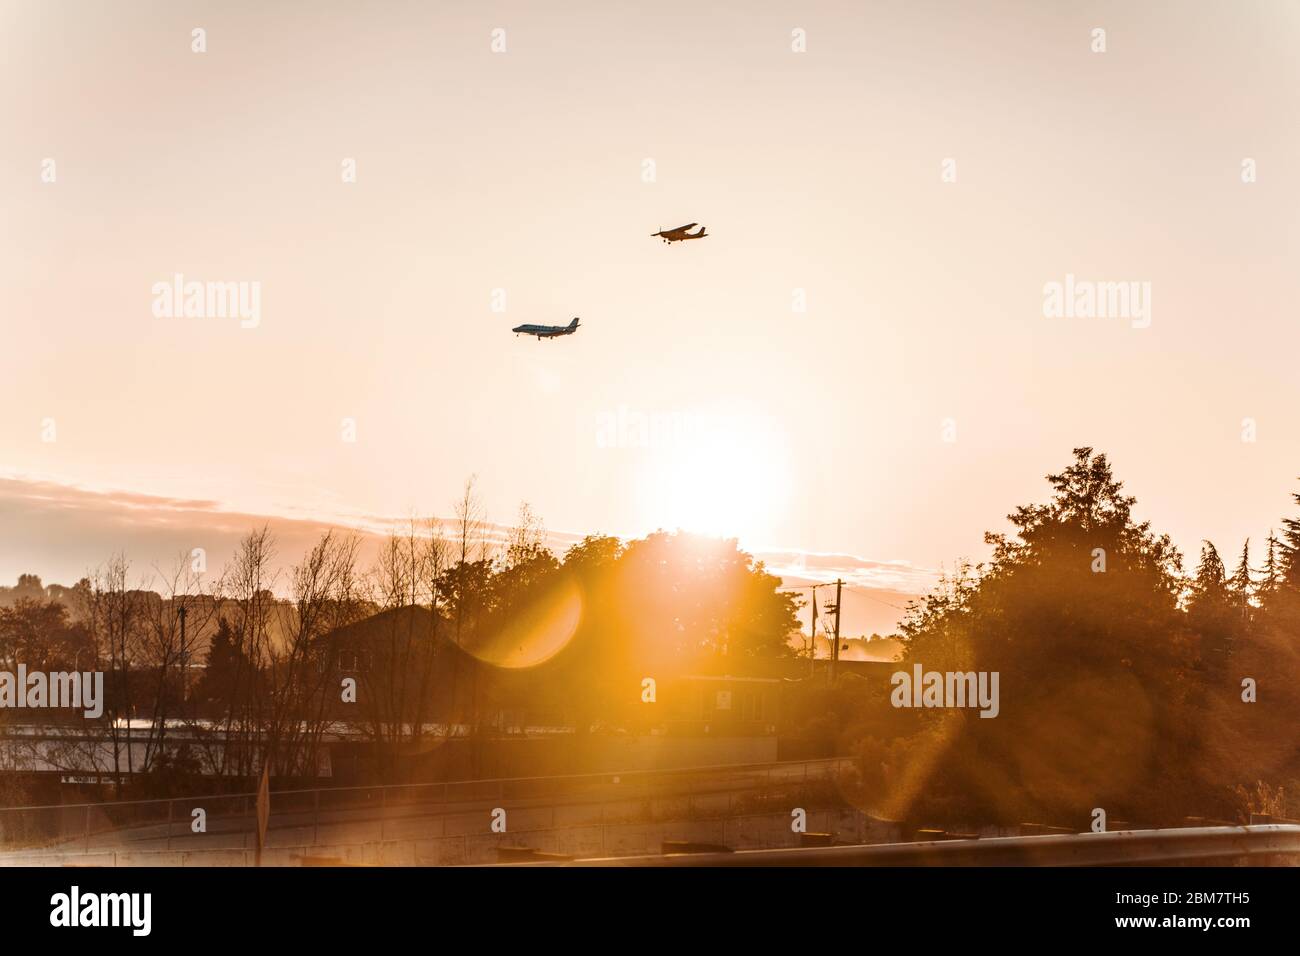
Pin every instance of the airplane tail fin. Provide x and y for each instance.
(574, 323)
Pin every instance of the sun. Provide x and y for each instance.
(726, 477)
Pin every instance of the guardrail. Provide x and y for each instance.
(1267, 845)
(438, 845)
(67, 823)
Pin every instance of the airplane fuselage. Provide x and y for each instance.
(546, 331)
(680, 234)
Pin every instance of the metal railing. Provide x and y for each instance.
(64, 824)
(1268, 844)
(438, 847)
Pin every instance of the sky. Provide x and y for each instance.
(856, 362)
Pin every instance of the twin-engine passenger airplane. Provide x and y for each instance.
(546, 331)
(681, 233)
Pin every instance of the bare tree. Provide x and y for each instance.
(116, 619)
(403, 650)
(328, 593)
(471, 559)
(249, 604)
(527, 538)
(171, 627)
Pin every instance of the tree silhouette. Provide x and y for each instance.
(1078, 613)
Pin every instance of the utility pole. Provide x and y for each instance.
(835, 654)
(812, 637)
(185, 669)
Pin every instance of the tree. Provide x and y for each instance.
(1252, 712)
(234, 742)
(223, 667)
(116, 619)
(524, 571)
(591, 566)
(463, 587)
(1272, 568)
(1213, 610)
(42, 635)
(1242, 583)
(527, 538)
(1289, 551)
(170, 627)
(1077, 612)
(326, 594)
(1211, 582)
(403, 643)
(683, 597)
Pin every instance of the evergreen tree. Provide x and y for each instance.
(227, 671)
(1213, 611)
(1241, 577)
(1241, 583)
(1078, 613)
(1289, 551)
(1210, 585)
(1271, 567)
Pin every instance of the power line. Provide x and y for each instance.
(867, 594)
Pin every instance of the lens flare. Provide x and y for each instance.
(535, 633)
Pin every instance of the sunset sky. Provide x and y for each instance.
(819, 431)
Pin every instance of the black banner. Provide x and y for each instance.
(531, 904)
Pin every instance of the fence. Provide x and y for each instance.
(233, 814)
(1267, 844)
(439, 846)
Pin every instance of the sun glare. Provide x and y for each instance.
(729, 480)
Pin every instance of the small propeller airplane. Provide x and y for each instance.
(681, 233)
(546, 331)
